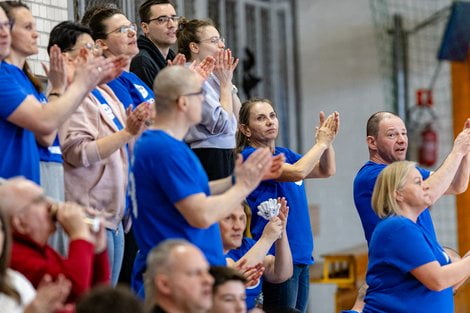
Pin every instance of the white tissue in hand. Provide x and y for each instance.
(269, 209)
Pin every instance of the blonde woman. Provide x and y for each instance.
(408, 268)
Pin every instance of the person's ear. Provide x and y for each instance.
(398, 196)
(372, 143)
(162, 284)
(181, 103)
(18, 225)
(145, 28)
(245, 130)
(102, 44)
(194, 47)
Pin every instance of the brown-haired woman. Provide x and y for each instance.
(213, 139)
(259, 127)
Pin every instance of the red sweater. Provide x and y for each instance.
(82, 267)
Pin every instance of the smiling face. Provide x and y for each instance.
(391, 142)
(232, 228)
(24, 35)
(117, 42)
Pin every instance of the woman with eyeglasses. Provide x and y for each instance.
(213, 139)
(115, 34)
(95, 142)
(408, 270)
(26, 120)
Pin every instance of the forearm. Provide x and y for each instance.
(110, 144)
(46, 140)
(55, 112)
(282, 268)
(440, 180)
(258, 252)
(226, 97)
(303, 167)
(236, 105)
(460, 182)
(202, 211)
(327, 165)
(220, 185)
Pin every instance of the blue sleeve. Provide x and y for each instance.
(178, 176)
(121, 92)
(12, 94)
(406, 247)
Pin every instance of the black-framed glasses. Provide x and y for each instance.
(6, 25)
(164, 19)
(214, 40)
(124, 29)
(201, 92)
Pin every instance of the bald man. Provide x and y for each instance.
(32, 218)
(178, 279)
(173, 195)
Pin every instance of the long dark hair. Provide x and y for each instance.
(5, 285)
(244, 119)
(95, 17)
(9, 7)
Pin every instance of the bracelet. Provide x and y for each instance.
(57, 94)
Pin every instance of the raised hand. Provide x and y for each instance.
(251, 273)
(204, 68)
(72, 218)
(225, 65)
(276, 167)
(136, 119)
(56, 72)
(283, 210)
(327, 129)
(249, 173)
(179, 59)
(273, 229)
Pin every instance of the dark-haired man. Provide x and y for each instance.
(159, 22)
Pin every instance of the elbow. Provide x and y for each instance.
(200, 221)
(437, 285)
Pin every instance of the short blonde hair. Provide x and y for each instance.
(391, 179)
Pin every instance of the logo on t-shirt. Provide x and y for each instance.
(142, 90)
(299, 182)
(107, 110)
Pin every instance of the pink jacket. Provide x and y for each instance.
(90, 180)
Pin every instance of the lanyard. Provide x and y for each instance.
(109, 112)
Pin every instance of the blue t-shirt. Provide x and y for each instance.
(236, 254)
(362, 189)
(131, 90)
(299, 230)
(398, 245)
(165, 172)
(53, 153)
(20, 154)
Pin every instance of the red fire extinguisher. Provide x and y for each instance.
(428, 149)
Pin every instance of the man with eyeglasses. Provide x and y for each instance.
(173, 194)
(159, 24)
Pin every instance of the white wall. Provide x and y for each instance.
(339, 70)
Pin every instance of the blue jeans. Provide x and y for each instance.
(292, 293)
(115, 245)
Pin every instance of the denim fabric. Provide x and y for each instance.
(115, 245)
(292, 293)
